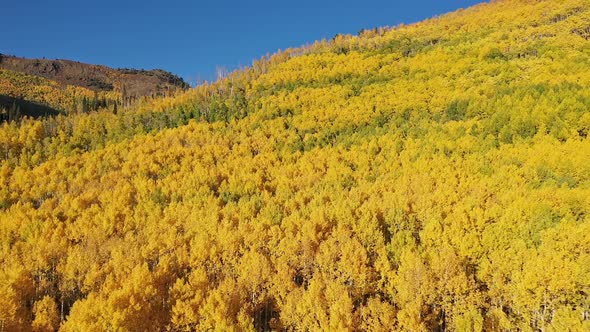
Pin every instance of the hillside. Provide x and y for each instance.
(428, 177)
(137, 83)
(36, 88)
(34, 96)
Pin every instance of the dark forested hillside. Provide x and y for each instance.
(430, 177)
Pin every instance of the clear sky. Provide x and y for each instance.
(191, 38)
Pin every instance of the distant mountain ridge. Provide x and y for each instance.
(133, 83)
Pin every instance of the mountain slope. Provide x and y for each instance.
(34, 87)
(35, 96)
(427, 177)
(137, 83)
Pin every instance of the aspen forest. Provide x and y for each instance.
(424, 177)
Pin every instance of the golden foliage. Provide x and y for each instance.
(424, 177)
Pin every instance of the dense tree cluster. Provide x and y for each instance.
(67, 99)
(425, 177)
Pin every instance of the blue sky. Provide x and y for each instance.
(191, 38)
